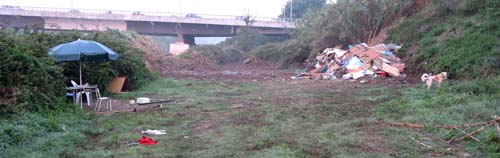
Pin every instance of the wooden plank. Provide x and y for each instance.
(400, 66)
(393, 71)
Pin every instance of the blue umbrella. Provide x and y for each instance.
(82, 50)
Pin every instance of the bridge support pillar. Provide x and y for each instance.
(179, 46)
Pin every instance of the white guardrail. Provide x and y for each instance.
(147, 13)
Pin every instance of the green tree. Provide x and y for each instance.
(300, 7)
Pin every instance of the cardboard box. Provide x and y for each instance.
(115, 85)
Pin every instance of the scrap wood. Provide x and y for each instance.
(472, 133)
(378, 63)
(463, 132)
(400, 66)
(406, 124)
(463, 126)
(332, 68)
(414, 125)
(390, 58)
(428, 146)
(486, 124)
(372, 54)
(496, 118)
(393, 71)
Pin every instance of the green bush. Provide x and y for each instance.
(130, 64)
(32, 80)
(287, 52)
(219, 54)
(28, 82)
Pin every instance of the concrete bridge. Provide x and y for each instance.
(185, 26)
(149, 23)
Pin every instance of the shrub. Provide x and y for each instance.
(221, 55)
(28, 82)
(31, 80)
(288, 52)
(130, 64)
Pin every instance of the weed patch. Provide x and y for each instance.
(47, 134)
(452, 104)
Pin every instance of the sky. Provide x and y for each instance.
(259, 8)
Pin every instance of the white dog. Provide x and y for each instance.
(429, 78)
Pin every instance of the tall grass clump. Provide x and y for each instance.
(451, 104)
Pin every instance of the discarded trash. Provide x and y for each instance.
(347, 76)
(390, 69)
(142, 100)
(155, 102)
(147, 141)
(354, 63)
(357, 62)
(237, 106)
(230, 72)
(132, 144)
(154, 132)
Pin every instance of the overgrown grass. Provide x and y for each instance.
(278, 120)
(111, 135)
(43, 134)
(191, 92)
(452, 104)
(462, 40)
(304, 123)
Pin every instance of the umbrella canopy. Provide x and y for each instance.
(82, 50)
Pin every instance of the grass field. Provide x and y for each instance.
(270, 119)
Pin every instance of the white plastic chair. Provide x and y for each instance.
(79, 94)
(99, 101)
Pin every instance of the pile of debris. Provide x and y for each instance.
(357, 62)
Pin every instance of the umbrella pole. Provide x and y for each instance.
(80, 72)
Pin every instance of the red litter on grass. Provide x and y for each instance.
(147, 141)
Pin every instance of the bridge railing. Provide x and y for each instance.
(144, 13)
